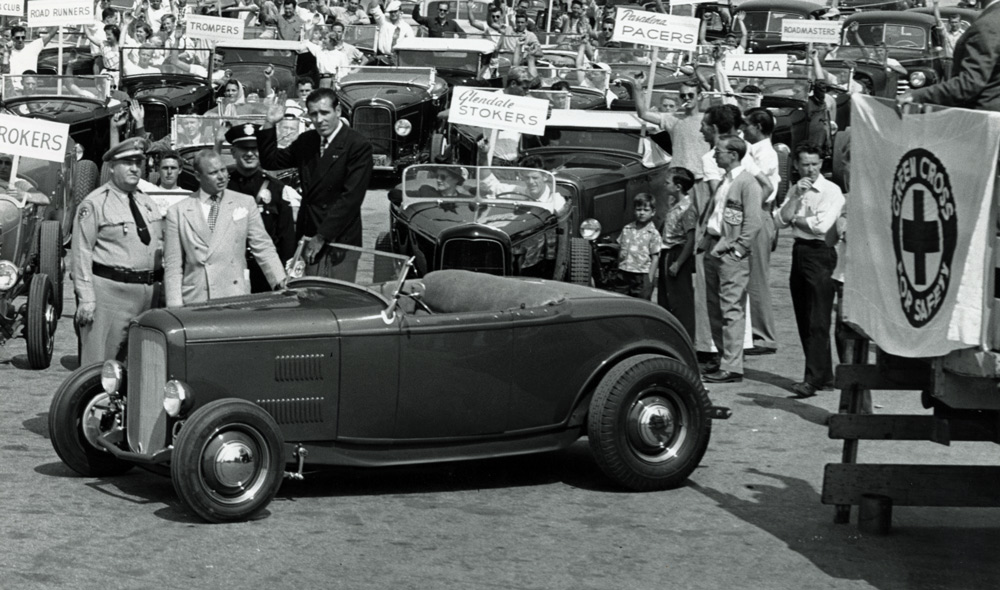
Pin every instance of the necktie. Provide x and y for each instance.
(140, 223)
(213, 212)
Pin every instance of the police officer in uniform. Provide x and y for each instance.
(274, 200)
(117, 245)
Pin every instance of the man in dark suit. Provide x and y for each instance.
(335, 167)
(975, 74)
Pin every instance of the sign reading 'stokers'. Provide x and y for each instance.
(34, 138)
(496, 110)
(656, 29)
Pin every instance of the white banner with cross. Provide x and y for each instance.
(923, 196)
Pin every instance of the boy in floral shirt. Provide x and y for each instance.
(639, 250)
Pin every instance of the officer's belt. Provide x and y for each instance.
(121, 275)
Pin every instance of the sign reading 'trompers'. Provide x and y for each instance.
(214, 28)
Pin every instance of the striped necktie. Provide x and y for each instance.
(213, 212)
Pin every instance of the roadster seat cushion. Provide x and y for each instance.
(458, 291)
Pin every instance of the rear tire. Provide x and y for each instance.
(580, 270)
(85, 176)
(50, 258)
(42, 320)
(649, 422)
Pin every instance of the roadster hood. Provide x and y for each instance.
(300, 312)
(513, 219)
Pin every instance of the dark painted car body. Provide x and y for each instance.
(458, 61)
(248, 60)
(168, 93)
(763, 21)
(910, 38)
(375, 100)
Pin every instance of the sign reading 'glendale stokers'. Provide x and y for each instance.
(496, 110)
(924, 233)
(656, 29)
(34, 138)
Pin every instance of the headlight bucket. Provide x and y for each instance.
(8, 275)
(177, 398)
(111, 377)
(403, 127)
(918, 79)
(590, 229)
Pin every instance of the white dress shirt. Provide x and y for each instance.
(820, 207)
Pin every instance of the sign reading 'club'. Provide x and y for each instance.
(924, 234)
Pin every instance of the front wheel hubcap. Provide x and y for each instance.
(657, 426)
(234, 464)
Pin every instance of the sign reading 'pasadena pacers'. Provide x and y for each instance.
(656, 29)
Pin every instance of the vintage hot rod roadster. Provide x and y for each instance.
(456, 365)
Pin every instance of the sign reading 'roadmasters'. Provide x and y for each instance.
(496, 110)
(810, 31)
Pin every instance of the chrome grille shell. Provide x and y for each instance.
(145, 419)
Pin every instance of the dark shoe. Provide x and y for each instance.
(803, 390)
(723, 377)
(759, 351)
(707, 368)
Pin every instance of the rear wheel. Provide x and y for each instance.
(227, 463)
(649, 423)
(50, 259)
(579, 261)
(384, 267)
(42, 318)
(78, 414)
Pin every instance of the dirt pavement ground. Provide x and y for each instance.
(750, 517)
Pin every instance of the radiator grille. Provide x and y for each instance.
(146, 422)
(294, 411)
(375, 123)
(298, 367)
(902, 85)
(476, 255)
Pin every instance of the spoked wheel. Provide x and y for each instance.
(227, 463)
(42, 319)
(649, 424)
(79, 413)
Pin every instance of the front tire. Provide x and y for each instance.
(649, 423)
(227, 463)
(78, 414)
(50, 256)
(42, 319)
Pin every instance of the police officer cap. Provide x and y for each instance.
(130, 148)
(242, 135)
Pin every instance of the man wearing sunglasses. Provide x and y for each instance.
(24, 55)
(441, 25)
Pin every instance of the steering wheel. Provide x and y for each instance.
(417, 301)
(906, 43)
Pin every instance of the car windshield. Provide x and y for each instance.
(32, 174)
(93, 87)
(583, 137)
(559, 99)
(201, 130)
(595, 78)
(857, 53)
(154, 61)
(380, 273)
(361, 36)
(795, 88)
(421, 77)
(434, 181)
(769, 21)
(465, 61)
(897, 36)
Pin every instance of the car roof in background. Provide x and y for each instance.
(444, 44)
(625, 120)
(803, 5)
(891, 17)
(262, 44)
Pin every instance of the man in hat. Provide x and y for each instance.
(274, 200)
(391, 28)
(117, 243)
(206, 238)
(441, 25)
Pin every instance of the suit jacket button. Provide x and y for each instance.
(235, 282)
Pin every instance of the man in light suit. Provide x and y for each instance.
(206, 239)
(975, 71)
(335, 166)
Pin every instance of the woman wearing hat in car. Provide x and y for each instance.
(448, 180)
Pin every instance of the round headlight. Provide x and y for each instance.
(8, 275)
(590, 229)
(917, 79)
(176, 398)
(111, 376)
(403, 127)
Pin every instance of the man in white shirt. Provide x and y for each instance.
(329, 60)
(391, 28)
(758, 124)
(811, 209)
(155, 12)
(24, 55)
(353, 54)
(352, 14)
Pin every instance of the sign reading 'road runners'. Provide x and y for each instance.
(810, 31)
(214, 28)
(48, 13)
(656, 29)
(35, 138)
(495, 110)
(758, 65)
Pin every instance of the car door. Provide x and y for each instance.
(454, 375)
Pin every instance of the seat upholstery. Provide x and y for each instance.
(460, 291)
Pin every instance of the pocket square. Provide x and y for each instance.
(239, 213)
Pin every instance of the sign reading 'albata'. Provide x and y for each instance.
(12, 7)
(656, 29)
(34, 138)
(758, 65)
(214, 28)
(48, 13)
(810, 31)
(496, 110)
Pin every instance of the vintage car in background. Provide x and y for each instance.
(75, 54)
(911, 39)
(35, 224)
(83, 102)
(763, 21)
(396, 109)
(178, 86)
(855, 6)
(232, 393)
(502, 221)
(457, 61)
(966, 16)
(248, 60)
